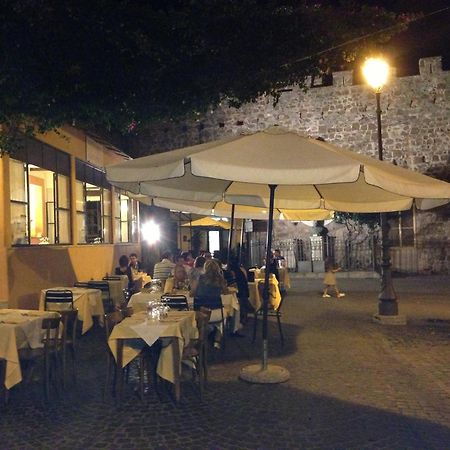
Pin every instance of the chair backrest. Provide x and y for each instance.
(208, 302)
(51, 327)
(81, 284)
(111, 320)
(69, 320)
(112, 278)
(178, 302)
(102, 285)
(58, 300)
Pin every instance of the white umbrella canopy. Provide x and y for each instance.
(223, 209)
(310, 174)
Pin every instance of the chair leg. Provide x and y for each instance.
(74, 361)
(47, 377)
(64, 367)
(108, 377)
(280, 330)
(141, 377)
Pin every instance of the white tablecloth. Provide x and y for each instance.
(179, 324)
(88, 302)
(230, 303)
(19, 328)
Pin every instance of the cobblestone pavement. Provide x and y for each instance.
(354, 384)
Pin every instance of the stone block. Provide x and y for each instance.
(428, 66)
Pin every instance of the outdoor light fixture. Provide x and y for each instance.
(151, 232)
(376, 72)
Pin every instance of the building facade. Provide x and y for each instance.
(416, 135)
(61, 220)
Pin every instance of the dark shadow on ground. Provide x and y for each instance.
(233, 415)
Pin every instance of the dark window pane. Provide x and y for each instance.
(49, 158)
(79, 170)
(63, 163)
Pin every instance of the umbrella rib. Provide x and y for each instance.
(320, 194)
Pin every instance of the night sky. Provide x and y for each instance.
(429, 36)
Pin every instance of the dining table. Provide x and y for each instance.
(19, 328)
(87, 301)
(274, 293)
(231, 308)
(177, 328)
(283, 274)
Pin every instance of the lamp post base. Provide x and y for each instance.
(388, 307)
(398, 319)
(255, 373)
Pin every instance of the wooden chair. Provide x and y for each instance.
(69, 321)
(58, 300)
(49, 353)
(178, 302)
(195, 353)
(106, 295)
(214, 304)
(271, 312)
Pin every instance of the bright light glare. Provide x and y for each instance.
(376, 72)
(151, 232)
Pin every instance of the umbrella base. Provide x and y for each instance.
(254, 373)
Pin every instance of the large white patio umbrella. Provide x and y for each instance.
(309, 174)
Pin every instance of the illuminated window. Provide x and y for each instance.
(40, 195)
(125, 218)
(93, 204)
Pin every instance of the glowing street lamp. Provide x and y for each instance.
(376, 73)
(151, 232)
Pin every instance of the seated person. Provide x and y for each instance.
(134, 263)
(179, 280)
(210, 286)
(125, 269)
(197, 270)
(164, 269)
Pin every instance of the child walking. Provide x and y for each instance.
(330, 279)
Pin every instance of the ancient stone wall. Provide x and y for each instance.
(415, 122)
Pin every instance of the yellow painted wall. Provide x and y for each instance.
(31, 269)
(24, 271)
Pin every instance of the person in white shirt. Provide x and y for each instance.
(164, 269)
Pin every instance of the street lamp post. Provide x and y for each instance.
(376, 72)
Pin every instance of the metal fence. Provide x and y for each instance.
(308, 255)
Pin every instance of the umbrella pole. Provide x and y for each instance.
(230, 234)
(241, 241)
(265, 373)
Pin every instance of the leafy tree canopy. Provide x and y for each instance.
(118, 64)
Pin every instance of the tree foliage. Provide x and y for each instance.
(118, 64)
